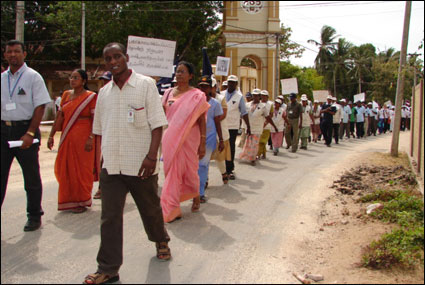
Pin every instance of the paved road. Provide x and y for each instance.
(242, 235)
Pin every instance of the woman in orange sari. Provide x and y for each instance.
(183, 143)
(75, 162)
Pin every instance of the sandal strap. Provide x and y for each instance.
(97, 278)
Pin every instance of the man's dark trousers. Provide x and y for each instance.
(28, 160)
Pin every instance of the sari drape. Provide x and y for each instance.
(180, 145)
(74, 167)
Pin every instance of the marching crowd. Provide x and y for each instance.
(118, 136)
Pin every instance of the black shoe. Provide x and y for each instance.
(232, 176)
(328, 145)
(32, 225)
(203, 199)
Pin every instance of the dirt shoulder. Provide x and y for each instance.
(343, 229)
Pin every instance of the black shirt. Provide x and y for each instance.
(326, 116)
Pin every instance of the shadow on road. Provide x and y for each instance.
(158, 272)
(198, 230)
(21, 258)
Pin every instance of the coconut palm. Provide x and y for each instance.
(324, 60)
(342, 65)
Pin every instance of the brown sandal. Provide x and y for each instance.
(196, 204)
(163, 252)
(100, 278)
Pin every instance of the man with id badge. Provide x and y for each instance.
(23, 99)
(129, 117)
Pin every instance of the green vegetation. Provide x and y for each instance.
(404, 246)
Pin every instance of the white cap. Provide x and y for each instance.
(264, 93)
(316, 101)
(256, 92)
(224, 83)
(304, 97)
(329, 97)
(343, 100)
(278, 101)
(232, 78)
(333, 98)
(280, 97)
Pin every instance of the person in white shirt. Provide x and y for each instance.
(262, 150)
(360, 119)
(258, 114)
(130, 118)
(306, 119)
(336, 119)
(249, 98)
(408, 117)
(403, 118)
(373, 119)
(345, 124)
(315, 124)
(277, 137)
(236, 109)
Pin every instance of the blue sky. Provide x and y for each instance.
(379, 23)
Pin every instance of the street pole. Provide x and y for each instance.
(20, 19)
(360, 81)
(277, 67)
(400, 81)
(83, 35)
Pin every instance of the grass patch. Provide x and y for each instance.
(404, 246)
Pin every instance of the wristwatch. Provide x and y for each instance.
(30, 133)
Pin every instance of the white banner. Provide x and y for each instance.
(222, 66)
(289, 85)
(359, 97)
(321, 95)
(151, 57)
(388, 103)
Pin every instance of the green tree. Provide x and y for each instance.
(288, 48)
(341, 60)
(57, 26)
(324, 60)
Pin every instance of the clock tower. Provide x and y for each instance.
(250, 29)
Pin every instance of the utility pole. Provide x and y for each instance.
(83, 35)
(360, 81)
(334, 83)
(20, 18)
(400, 81)
(276, 91)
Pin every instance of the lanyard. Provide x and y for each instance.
(16, 84)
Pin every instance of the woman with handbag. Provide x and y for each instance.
(75, 166)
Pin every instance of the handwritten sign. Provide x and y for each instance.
(359, 97)
(289, 85)
(321, 95)
(222, 66)
(152, 57)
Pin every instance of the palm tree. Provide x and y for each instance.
(363, 56)
(341, 59)
(324, 60)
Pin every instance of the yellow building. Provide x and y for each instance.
(250, 29)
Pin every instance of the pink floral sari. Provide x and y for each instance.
(180, 145)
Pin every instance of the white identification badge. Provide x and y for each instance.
(10, 106)
(130, 116)
(290, 112)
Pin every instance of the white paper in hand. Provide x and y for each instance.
(13, 144)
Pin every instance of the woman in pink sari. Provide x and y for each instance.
(183, 143)
(75, 162)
